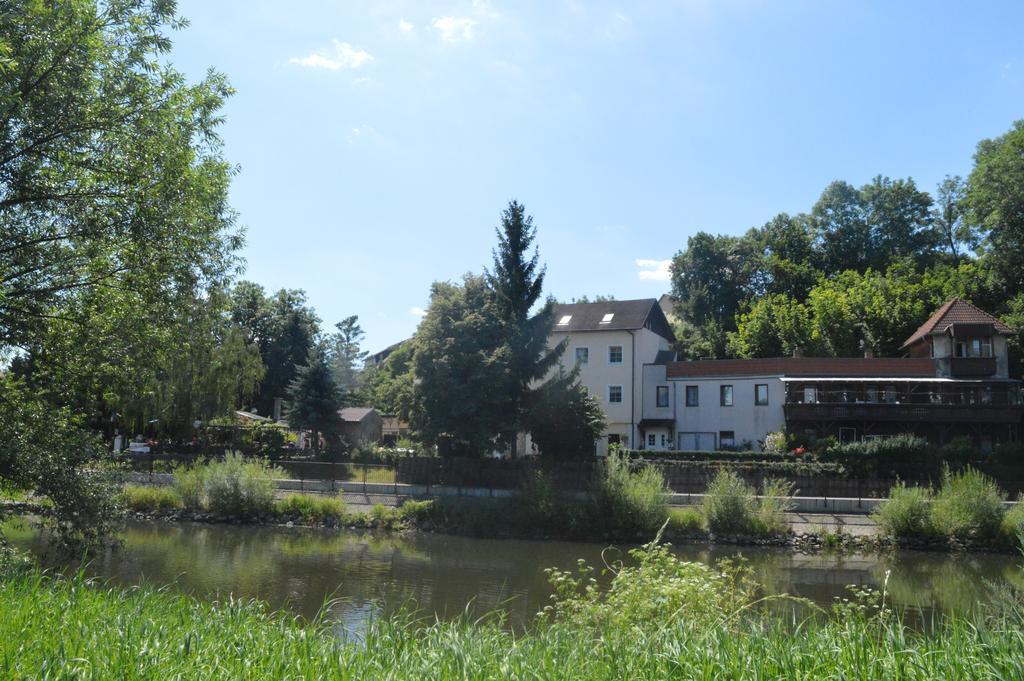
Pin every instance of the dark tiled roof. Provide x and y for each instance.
(627, 315)
(818, 367)
(955, 311)
(664, 356)
(354, 414)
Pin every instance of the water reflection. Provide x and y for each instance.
(368, 575)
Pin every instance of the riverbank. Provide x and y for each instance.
(705, 623)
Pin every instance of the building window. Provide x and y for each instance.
(662, 396)
(651, 440)
(847, 434)
(725, 395)
(726, 439)
(692, 396)
(607, 319)
(664, 440)
(974, 347)
(615, 394)
(615, 354)
(564, 321)
(810, 395)
(582, 355)
(613, 440)
(761, 394)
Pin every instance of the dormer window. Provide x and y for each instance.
(607, 319)
(564, 321)
(974, 347)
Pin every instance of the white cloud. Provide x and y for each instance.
(405, 26)
(417, 312)
(345, 57)
(654, 270)
(454, 29)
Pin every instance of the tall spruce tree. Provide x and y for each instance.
(517, 279)
(314, 398)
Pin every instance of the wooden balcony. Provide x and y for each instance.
(932, 413)
(972, 367)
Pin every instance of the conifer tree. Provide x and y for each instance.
(517, 279)
(314, 398)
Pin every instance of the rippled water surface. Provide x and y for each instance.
(367, 574)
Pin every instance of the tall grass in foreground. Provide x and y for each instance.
(662, 618)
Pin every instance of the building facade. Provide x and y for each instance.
(612, 343)
(954, 381)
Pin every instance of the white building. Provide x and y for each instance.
(613, 343)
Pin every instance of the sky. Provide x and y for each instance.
(377, 141)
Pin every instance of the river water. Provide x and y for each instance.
(364, 574)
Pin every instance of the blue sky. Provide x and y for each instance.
(378, 141)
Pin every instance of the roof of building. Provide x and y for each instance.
(251, 416)
(955, 311)
(881, 367)
(664, 357)
(355, 414)
(381, 355)
(613, 315)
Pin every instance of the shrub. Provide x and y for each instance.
(775, 443)
(190, 484)
(773, 505)
(1012, 527)
(417, 511)
(311, 507)
(876, 457)
(143, 498)
(685, 520)
(731, 506)
(630, 500)
(958, 452)
(240, 486)
(905, 513)
(969, 505)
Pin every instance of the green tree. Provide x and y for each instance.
(995, 204)
(517, 280)
(461, 363)
(390, 385)
(314, 398)
(345, 355)
(948, 217)
(283, 326)
(566, 420)
(775, 326)
(712, 279)
(113, 202)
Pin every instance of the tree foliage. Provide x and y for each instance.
(517, 280)
(566, 420)
(461, 367)
(314, 398)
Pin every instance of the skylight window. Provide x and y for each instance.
(564, 321)
(607, 319)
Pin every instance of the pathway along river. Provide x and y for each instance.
(370, 574)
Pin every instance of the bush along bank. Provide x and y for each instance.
(968, 511)
(626, 503)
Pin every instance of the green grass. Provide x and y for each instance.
(312, 508)
(149, 499)
(685, 520)
(661, 619)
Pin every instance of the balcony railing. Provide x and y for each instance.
(964, 413)
(972, 367)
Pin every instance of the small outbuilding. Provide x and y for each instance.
(361, 424)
